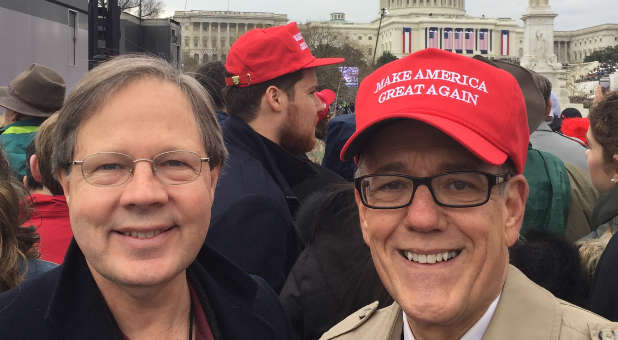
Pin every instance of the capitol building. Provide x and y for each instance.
(406, 27)
(412, 25)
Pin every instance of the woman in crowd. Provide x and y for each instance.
(603, 164)
(18, 255)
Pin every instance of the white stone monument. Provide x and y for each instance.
(539, 46)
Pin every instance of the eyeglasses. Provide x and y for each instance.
(457, 189)
(115, 168)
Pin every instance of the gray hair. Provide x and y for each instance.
(104, 80)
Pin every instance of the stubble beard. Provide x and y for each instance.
(292, 138)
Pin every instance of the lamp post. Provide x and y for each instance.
(382, 14)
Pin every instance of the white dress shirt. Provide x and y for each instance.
(475, 333)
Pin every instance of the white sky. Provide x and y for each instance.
(572, 14)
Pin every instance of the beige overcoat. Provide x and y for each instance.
(525, 311)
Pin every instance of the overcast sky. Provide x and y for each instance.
(572, 14)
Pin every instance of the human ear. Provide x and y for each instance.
(515, 196)
(34, 168)
(275, 98)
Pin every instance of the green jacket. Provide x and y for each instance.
(15, 138)
(547, 207)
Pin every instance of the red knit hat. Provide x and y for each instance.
(265, 54)
(478, 105)
(327, 97)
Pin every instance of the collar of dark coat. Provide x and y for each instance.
(78, 310)
(286, 169)
(606, 208)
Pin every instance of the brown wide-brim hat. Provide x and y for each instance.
(38, 92)
(536, 109)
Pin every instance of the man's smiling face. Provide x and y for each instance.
(457, 290)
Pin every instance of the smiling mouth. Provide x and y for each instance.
(144, 234)
(444, 256)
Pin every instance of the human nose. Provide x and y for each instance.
(143, 188)
(422, 213)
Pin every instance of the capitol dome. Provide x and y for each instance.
(425, 7)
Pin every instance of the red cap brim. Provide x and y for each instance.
(323, 62)
(471, 140)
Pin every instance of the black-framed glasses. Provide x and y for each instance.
(115, 168)
(456, 189)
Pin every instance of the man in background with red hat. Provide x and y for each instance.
(327, 97)
(441, 143)
(271, 99)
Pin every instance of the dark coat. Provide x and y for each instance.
(340, 129)
(259, 190)
(604, 293)
(334, 275)
(66, 303)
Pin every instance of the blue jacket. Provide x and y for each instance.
(340, 129)
(15, 138)
(66, 304)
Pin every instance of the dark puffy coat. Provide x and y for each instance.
(334, 275)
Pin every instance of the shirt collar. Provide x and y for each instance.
(475, 333)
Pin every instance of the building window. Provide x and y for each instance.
(195, 41)
(196, 58)
(369, 38)
(360, 37)
(196, 27)
(174, 37)
(187, 42)
(204, 42)
(73, 37)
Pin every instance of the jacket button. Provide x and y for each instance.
(607, 334)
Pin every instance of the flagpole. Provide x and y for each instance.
(382, 13)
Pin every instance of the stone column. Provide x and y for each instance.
(218, 37)
(227, 39)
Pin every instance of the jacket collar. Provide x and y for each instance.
(531, 307)
(77, 302)
(25, 122)
(285, 168)
(606, 208)
(231, 294)
(78, 310)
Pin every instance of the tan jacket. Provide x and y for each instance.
(525, 311)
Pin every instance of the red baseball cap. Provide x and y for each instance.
(327, 97)
(265, 54)
(476, 104)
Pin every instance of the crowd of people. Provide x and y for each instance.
(452, 200)
(603, 70)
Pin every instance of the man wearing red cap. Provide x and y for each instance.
(273, 108)
(441, 143)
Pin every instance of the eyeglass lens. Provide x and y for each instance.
(110, 168)
(454, 189)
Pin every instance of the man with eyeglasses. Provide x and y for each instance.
(440, 143)
(138, 152)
